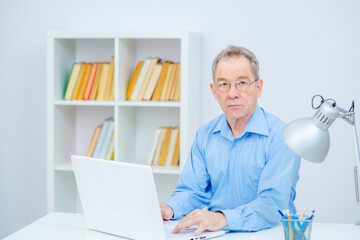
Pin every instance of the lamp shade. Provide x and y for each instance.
(309, 137)
(306, 139)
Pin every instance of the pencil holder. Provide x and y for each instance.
(296, 229)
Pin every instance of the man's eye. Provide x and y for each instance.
(223, 84)
(242, 83)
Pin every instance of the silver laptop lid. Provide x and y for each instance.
(118, 198)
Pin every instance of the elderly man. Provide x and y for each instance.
(239, 166)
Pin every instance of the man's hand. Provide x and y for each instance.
(166, 211)
(206, 220)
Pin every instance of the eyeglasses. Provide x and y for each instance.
(241, 85)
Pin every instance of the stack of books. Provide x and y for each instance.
(102, 142)
(165, 147)
(91, 81)
(155, 81)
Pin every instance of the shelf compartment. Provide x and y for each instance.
(129, 51)
(71, 134)
(136, 130)
(65, 192)
(65, 52)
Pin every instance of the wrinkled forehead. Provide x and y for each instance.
(238, 65)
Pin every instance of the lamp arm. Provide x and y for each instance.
(349, 117)
(357, 167)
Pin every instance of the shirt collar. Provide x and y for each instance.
(256, 124)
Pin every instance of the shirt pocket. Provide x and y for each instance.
(217, 166)
(249, 181)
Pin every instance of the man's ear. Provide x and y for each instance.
(212, 86)
(259, 87)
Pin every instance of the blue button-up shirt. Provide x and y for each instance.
(248, 178)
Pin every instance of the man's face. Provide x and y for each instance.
(234, 103)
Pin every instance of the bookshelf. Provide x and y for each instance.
(70, 124)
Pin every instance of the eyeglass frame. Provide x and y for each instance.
(236, 83)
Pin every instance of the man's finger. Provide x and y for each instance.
(199, 230)
(177, 228)
(184, 223)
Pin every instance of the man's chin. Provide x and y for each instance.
(236, 115)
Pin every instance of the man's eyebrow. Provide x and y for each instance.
(243, 77)
(221, 79)
(239, 78)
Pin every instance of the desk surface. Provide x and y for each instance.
(72, 226)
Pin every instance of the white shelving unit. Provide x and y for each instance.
(70, 124)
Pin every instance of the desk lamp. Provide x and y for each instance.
(309, 137)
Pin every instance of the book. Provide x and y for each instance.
(112, 91)
(154, 145)
(171, 147)
(79, 81)
(160, 83)
(171, 86)
(132, 82)
(170, 96)
(167, 81)
(159, 146)
(177, 86)
(141, 79)
(152, 82)
(110, 150)
(84, 83)
(96, 84)
(100, 141)
(144, 86)
(103, 82)
(107, 138)
(110, 81)
(112, 155)
(176, 157)
(74, 74)
(93, 141)
(90, 83)
(165, 145)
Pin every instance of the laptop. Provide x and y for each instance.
(121, 199)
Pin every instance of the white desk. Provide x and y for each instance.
(72, 226)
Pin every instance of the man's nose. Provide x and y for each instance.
(233, 92)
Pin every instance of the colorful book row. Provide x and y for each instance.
(156, 81)
(91, 81)
(102, 142)
(165, 147)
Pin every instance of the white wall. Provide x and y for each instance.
(304, 48)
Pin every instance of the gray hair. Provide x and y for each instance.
(232, 51)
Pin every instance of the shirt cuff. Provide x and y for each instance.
(175, 207)
(233, 220)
